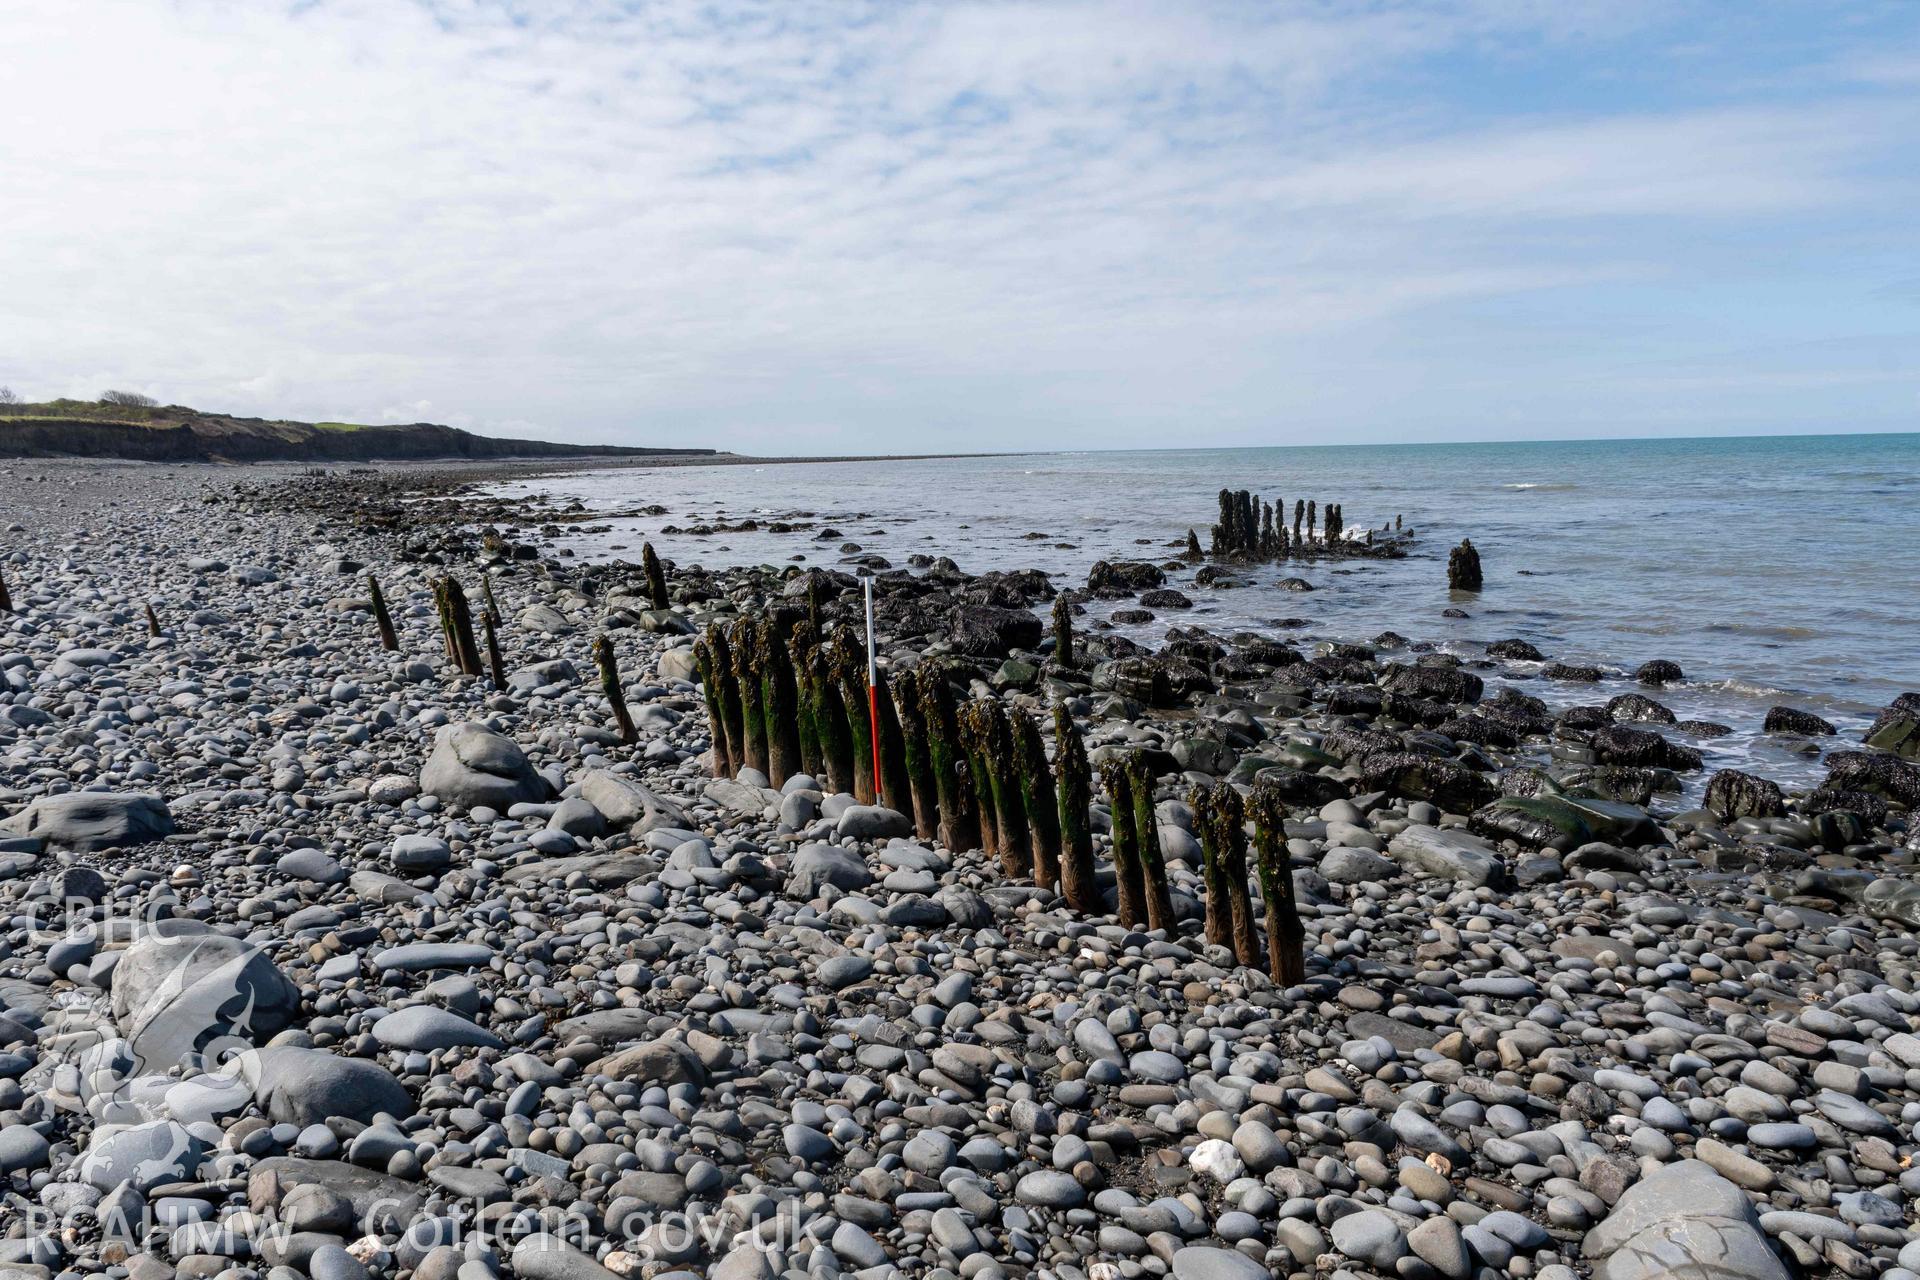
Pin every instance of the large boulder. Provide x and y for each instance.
(295, 1085)
(84, 821)
(472, 765)
(1118, 579)
(816, 866)
(623, 802)
(1682, 1220)
(179, 989)
(1875, 773)
(1444, 684)
(988, 631)
(1447, 783)
(1897, 728)
(1452, 855)
(140, 1155)
(1732, 794)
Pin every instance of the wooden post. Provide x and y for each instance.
(1130, 889)
(1037, 795)
(153, 622)
(389, 640)
(732, 709)
(1219, 916)
(493, 650)
(946, 759)
(911, 716)
(1463, 567)
(799, 643)
(656, 576)
(1146, 834)
(1074, 789)
(896, 784)
(6, 601)
(848, 661)
(1286, 938)
(1063, 630)
(753, 715)
(716, 708)
(778, 701)
(1229, 831)
(486, 596)
(610, 685)
(457, 621)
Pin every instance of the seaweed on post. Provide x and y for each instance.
(806, 716)
(1219, 916)
(910, 715)
(656, 576)
(1146, 835)
(848, 663)
(778, 701)
(610, 686)
(1229, 834)
(753, 716)
(389, 639)
(1130, 889)
(1038, 799)
(716, 709)
(1286, 937)
(960, 820)
(732, 726)
(896, 786)
(1074, 791)
(1063, 630)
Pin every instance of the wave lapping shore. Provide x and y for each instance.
(336, 960)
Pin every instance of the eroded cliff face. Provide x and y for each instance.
(231, 441)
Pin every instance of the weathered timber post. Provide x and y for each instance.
(1074, 789)
(1463, 567)
(1063, 630)
(1286, 938)
(1229, 832)
(849, 664)
(656, 576)
(946, 759)
(389, 639)
(1146, 835)
(1130, 890)
(912, 719)
(778, 699)
(466, 649)
(753, 713)
(486, 596)
(896, 784)
(153, 622)
(610, 686)
(494, 660)
(1219, 917)
(6, 601)
(805, 699)
(1037, 795)
(723, 766)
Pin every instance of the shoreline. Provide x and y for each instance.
(608, 990)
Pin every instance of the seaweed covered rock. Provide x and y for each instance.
(1658, 672)
(1118, 579)
(1446, 684)
(1515, 650)
(1534, 822)
(1447, 783)
(989, 631)
(1630, 707)
(1794, 720)
(1875, 772)
(1897, 728)
(1144, 680)
(1621, 744)
(1732, 794)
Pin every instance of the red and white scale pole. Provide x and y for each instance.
(873, 696)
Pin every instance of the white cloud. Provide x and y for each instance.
(895, 225)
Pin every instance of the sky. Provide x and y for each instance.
(829, 226)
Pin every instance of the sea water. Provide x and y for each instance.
(1774, 570)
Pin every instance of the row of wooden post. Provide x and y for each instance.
(1250, 529)
(784, 700)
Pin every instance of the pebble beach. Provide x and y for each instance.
(333, 962)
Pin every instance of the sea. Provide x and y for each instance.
(1776, 570)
